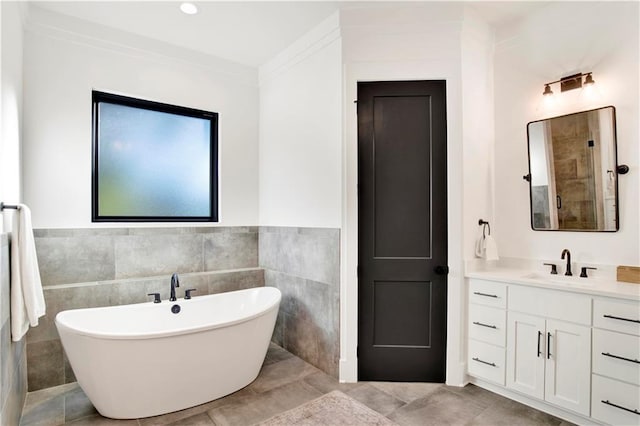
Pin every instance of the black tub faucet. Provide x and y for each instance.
(175, 282)
(568, 254)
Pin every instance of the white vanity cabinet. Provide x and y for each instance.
(549, 346)
(573, 353)
(616, 362)
(487, 330)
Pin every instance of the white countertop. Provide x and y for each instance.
(593, 286)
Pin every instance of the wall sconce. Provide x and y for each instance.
(569, 83)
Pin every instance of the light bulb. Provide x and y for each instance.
(189, 8)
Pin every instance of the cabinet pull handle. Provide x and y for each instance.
(485, 325)
(621, 407)
(485, 294)
(548, 345)
(484, 362)
(620, 357)
(539, 336)
(621, 319)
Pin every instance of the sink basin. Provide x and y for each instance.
(557, 279)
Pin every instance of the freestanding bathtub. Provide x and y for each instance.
(143, 360)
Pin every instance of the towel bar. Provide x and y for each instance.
(8, 206)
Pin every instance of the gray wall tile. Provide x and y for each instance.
(75, 259)
(4, 279)
(230, 250)
(238, 280)
(144, 256)
(79, 232)
(46, 364)
(12, 408)
(13, 380)
(100, 254)
(304, 264)
(311, 254)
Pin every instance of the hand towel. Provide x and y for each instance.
(490, 248)
(480, 246)
(27, 297)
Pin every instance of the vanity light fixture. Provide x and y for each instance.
(569, 83)
(189, 8)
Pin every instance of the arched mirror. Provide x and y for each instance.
(573, 172)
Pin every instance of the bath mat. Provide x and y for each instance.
(334, 408)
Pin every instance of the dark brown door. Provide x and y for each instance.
(402, 222)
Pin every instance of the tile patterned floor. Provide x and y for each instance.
(286, 382)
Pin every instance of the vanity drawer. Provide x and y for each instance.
(616, 355)
(487, 324)
(617, 315)
(560, 305)
(488, 293)
(613, 402)
(486, 361)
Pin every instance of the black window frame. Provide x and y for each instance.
(98, 97)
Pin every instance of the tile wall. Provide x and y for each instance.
(304, 263)
(113, 266)
(13, 364)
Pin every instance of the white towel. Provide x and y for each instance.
(490, 248)
(27, 297)
(480, 246)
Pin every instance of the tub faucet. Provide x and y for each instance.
(175, 282)
(568, 253)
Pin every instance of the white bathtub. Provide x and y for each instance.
(143, 360)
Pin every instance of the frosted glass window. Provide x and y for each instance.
(152, 161)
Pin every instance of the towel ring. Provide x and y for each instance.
(485, 226)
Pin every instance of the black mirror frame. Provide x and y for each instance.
(619, 169)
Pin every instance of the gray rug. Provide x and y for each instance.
(334, 408)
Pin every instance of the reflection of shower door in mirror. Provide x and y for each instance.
(574, 158)
(553, 201)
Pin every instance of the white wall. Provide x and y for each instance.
(561, 39)
(301, 132)
(65, 58)
(10, 107)
(477, 41)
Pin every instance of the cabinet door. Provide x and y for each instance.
(526, 354)
(568, 368)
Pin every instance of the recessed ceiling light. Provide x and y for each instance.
(189, 8)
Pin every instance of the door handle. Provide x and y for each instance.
(548, 345)
(621, 319)
(485, 294)
(539, 336)
(620, 357)
(441, 270)
(485, 325)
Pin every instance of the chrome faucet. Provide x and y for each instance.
(568, 253)
(175, 282)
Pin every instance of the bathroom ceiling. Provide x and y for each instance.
(246, 32)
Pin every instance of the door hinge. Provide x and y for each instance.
(358, 269)
(356, 102)
(357, 351)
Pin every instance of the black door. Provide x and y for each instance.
(402, 242)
